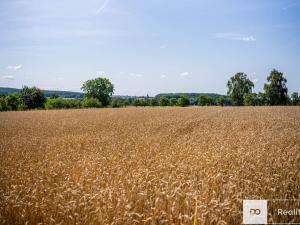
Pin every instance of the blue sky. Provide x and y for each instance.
(148, 46)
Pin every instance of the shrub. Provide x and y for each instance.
(163, 101)
(140, 102)
(3, 104)
(117, 103)
(173, 102)
(295, 98)
(91, 103)
(15, 102)
(250, 99)
(73, 103)
(262, 99)
(60, 103)
(154, 102)
(184, 101)
(202, 100)
(210, 101)
(221, 101)
(126, 102)
(136, 102)
(146, 102)
(55, 103)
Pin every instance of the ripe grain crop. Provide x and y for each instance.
(145, 165)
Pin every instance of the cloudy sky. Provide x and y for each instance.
(148, 46)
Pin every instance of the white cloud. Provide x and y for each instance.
(135, 75)
(255, 80)
(249, 38)
(15, 67)
(162, 46)
(102, 7)
(163, 76)
(184, 74)
(8, 77)
(235, 37)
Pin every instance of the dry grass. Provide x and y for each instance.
(145, 165)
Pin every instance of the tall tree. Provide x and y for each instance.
(276, 90)
(100, 88)
(33, 97)
(238, 86)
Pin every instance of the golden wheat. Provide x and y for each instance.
(145, 165)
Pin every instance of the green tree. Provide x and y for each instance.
(221, 101)
(146, 101)
(250, 99)
(55, 103)
(276, 90)
(3, 103)
(210, 101)
(238, 86)
(202, 100)
(117, 102)
(184, 101)
(91, 103)
(130, 101)
(14, 102)
(73, 103)
(295, 98)
(137, 102)
(154, 102)
(33, 97)
(173, 102)
(262, 99)
(125, 102)
(140, 102)
(163, 101)
(100, 88)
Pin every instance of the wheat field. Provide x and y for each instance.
(129, 166)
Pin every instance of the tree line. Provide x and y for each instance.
(275, 91)
(98, 93)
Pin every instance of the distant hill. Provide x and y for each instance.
(190, 95)
(6, 90)
(48, 93)
(63, 94)
(71, 94)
